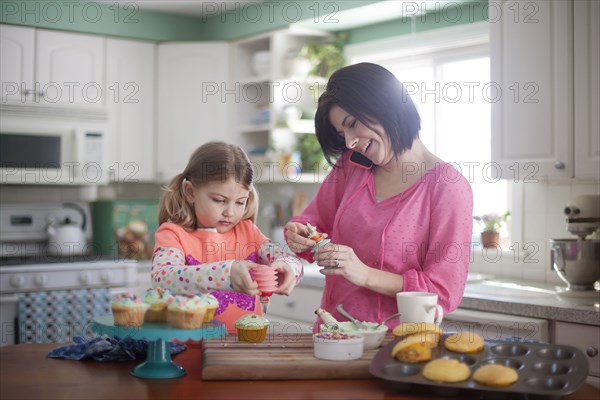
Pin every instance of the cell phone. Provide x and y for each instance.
(360, 160)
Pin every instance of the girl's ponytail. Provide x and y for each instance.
(174, 207)
(251, 210)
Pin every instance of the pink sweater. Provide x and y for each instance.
(423, 234)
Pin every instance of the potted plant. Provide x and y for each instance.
(311, 155)
(491, 223)
(326, 58)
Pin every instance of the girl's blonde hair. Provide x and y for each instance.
(213, 161)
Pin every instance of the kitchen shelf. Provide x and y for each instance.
(302, 177)
(257, 79)
(255, 128)
(302, 126)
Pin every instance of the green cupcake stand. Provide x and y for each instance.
(158, 364)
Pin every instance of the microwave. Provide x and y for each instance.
(50, 152)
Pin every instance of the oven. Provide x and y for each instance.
(49, 297)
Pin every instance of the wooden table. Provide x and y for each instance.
(26, 373)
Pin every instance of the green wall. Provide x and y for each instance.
(100, 18)
(442, 15)
(129, 21)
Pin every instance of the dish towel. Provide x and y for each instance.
(58, 316)
(104, 348)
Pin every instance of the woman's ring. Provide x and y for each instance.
(337, 263)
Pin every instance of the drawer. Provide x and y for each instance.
(584, 337)
(299, 306)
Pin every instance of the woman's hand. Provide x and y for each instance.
(241, 281)
(286, 278)
(297, 237)
(341, 260)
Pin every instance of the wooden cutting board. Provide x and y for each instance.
(278, 357)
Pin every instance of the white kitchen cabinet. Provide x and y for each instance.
(69, 68)
(587, 88)
(299, 306)
(531, 81)
(193, 79)
(584, 337)
(130, 92)
(265, 90)
(16, 62)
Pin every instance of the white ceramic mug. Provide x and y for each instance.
(419, 307)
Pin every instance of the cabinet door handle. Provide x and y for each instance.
(591, 352)
(559, 165)
(290, 303)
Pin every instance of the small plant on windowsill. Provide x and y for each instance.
(490, 226)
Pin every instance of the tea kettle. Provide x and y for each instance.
(66, 237)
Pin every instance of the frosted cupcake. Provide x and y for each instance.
(157, 299)
(185, 311)
(252, 328)
(211, 303)
(128, 309)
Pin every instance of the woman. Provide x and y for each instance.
(401, 220)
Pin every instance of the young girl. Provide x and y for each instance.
(207, 240)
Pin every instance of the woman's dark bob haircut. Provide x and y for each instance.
(371, 94)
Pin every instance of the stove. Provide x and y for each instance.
(42, 286)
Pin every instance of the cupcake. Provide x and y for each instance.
(128, 309)
(157, 299)
(252, 328)
(211, 303)
(185, 311)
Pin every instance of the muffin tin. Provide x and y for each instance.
(544, 369)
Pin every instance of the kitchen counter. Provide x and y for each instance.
(527, 299)
(26, 373)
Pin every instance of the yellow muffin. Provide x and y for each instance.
(252, 328)
(186, 312)
(412, 349)
(411, 328)
(157, 298)
(128, 310)
(464, 342)
(211, 303)
(495, 375)
(446, 370)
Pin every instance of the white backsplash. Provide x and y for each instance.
(542, 219)
(542, 213)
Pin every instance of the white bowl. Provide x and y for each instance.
(373, 338)
(338, 346)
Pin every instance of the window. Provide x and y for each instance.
(449, 83)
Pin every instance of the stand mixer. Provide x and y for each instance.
(577, 261)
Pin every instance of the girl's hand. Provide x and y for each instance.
(297, 237)
(241, 281)
(341, 260)
(286, 278)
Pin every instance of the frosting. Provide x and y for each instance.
(186, 302)
(335, 336)
(208, 300)
(251, 321)
(313, 234)
(128, 300)
(350, 327)
(157, 295)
